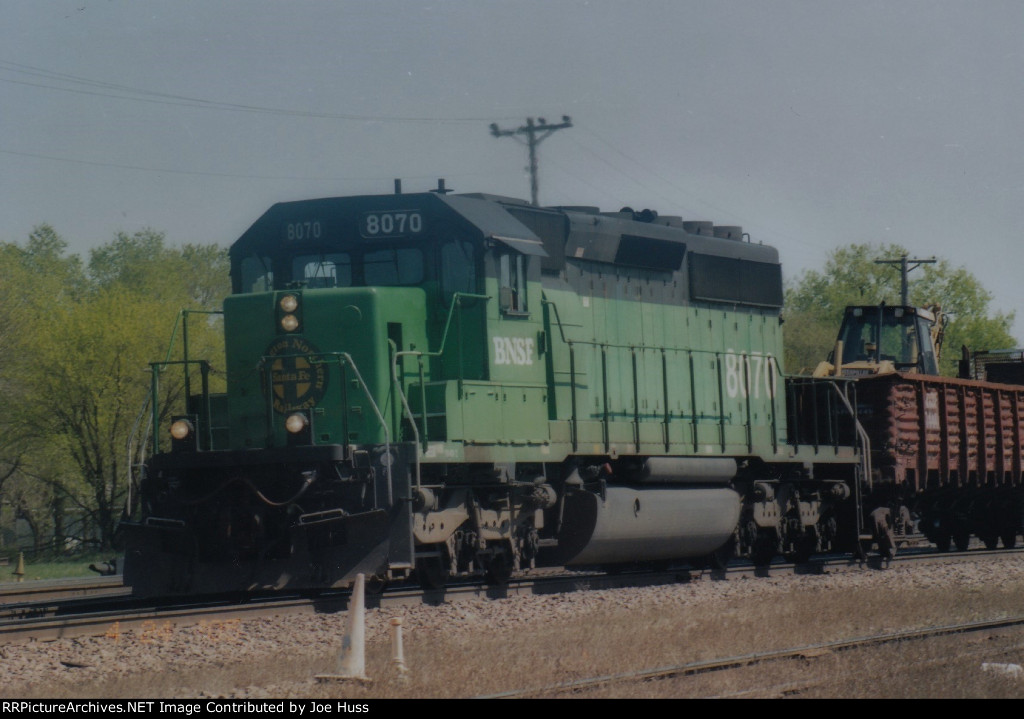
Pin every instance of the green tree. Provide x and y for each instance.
(815, 303)
(34, 278)
(82, 340)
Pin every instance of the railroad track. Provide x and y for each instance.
(59, 589)
(735, 662)
(49, 618)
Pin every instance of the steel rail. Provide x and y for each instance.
(16, 592)
(744, 660)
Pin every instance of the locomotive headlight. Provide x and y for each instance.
(289, 323)
(296, 423)
(289, 303)
(182, 428)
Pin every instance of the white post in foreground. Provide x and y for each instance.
(352, 661)
(397, 653)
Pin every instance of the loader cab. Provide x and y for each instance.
(881, 339)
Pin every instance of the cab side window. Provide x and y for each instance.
(257, 274)
(458, 269)
(512, 283)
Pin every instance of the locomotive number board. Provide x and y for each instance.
(393, 223)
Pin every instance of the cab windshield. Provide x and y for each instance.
(885, 334)
(357, 267)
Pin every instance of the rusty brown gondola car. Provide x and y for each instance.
(950, 450)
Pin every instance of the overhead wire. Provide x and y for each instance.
(654, 174)
(141, 168)
(127, 92)
(623, 172)
(789, 237)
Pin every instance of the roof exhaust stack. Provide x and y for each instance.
(398, 186)
(441, 189)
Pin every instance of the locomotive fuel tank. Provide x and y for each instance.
(680, 508)
(647, 524)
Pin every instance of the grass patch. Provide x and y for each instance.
(54, 568)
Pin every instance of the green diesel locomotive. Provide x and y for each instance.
(445, 384)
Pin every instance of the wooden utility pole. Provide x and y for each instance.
(904, 270)
(536, 131)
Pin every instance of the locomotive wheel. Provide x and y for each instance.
(1009, 538)
(991, 541)
(720, 558)
(431, 573)
(942, 542)
(376, 584)
(763, 551)
(499, 570)
(803, 548)
(962, 540)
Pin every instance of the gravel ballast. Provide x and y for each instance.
(126, 661)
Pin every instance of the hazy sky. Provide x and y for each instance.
(812, 123)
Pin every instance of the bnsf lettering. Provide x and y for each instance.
(513, 350)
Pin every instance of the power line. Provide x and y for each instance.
(126, 92)
(118, 166)
(165, 170)
(781, 237)
(667, 181)
(625, 173)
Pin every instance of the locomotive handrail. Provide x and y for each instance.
(573, 419)
(181, 318)
(862, 434)
(558, 318)
(405, 404)
(397, 352)
(156, 368)
(457, 298)
(130, 448)
(865, 459)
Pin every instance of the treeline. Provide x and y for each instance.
(77, 335)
